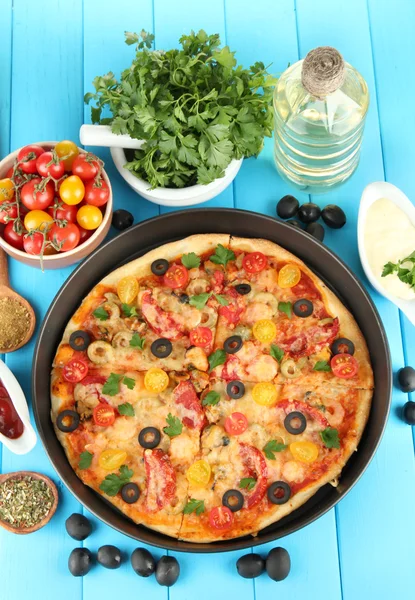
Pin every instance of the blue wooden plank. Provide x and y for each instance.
(395, 93)
(364, 532)
(258, 187)
(47, 85)
(181, 19)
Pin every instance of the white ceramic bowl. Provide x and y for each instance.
(61, 259)
(195, 194)
(27, 440)
(371, 193)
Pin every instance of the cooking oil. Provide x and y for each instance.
(320, 106)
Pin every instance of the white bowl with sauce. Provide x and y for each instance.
(27, 440)
(386, 233)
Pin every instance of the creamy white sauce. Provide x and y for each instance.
(389, 236)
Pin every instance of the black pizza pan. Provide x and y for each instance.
(149, 234)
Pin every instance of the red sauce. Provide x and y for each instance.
(10, 423)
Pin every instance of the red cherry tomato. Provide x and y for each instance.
(85, 166)
(55, 170)
(33, 243)
(344, 365)
(67, 238)
(8, 213)
(66, 212)
(236, 423)
(18, 179)
(97, 193)
(221, 518)
(12, 237)
(35, 195)
(84, 234)
(27, 158)
(176, 276)
(75, 370)
(254, 262)
(104, 415)
(201, 336)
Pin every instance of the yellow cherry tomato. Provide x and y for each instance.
(127, 288)
(306, 452)
(72, 190)
(89, 217)
(6, 190)
(265, 393)
(37, 219)
(199, 473)
(264, 331)
(68, 151)
(289, 276)
(156, 380)
(111, 460)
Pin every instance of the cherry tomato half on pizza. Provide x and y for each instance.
(254, 262)
(236, 423)
(201, 336)
(344, 366)
(104, 414)
(176, 276)
(75, 370)
(221, 518)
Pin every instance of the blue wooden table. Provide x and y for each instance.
(49, 54)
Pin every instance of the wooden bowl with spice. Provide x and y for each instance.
(28, 501)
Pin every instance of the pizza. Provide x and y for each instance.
(210, 387)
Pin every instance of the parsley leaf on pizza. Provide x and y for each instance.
(271, 447)
(129, 311)
(199, 301)
(211, 398)
(129, 382)
(330, 437)
(126, 409)
(222, 255)
(85, 459)
(285, 307)
(322, 365)
(276, 352)
(196, 506)
(190, 260)
(216, 358)
(137, 341)
(247, 483)
(174, 426)
(101, 314)
(112, 385)
(222, 300)
(113, 482)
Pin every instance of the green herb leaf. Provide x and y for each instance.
(285, 307)
(322, 365)
(194, 506)
(276, 353)
(126, 409)
(129, 382)
(174, 426)
(113, 482)
(190, 260)
(221, 299)
(330, 437)
(199, 301)
(247, 483)
(112, 386)
(271, 447)
(85, 460)
(211, 399)
(222, 255)
(389, 268)
(129, 311)
(216, 358)
(101, 314)
(137, 341)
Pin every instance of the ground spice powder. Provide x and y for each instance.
(24, 502)
(14, 323)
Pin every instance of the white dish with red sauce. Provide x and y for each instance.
(16, 431)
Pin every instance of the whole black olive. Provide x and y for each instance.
(316, 230)
(122, 219)
(143, 563)
(80, 562)
(287, 207)
(130, 492)
(409, 413)
(167, 571)
(406, 379)
(161, 348)
(294, 223)
(149, 437)
(78, 526)
(250, 565)
(243, 288)
(278, 564)
(333, 216)
(309, 212)
(109, 557)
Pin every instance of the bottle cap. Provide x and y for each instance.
(323, 71)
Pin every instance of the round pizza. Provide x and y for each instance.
(210, 387)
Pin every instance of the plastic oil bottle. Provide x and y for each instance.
(320, 106)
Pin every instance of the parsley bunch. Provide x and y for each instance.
(406, 275)
(195, 109)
